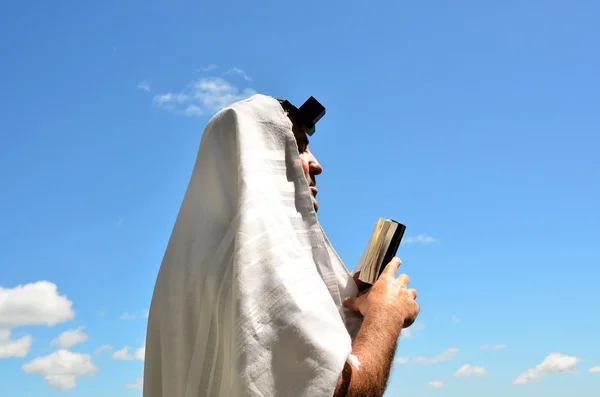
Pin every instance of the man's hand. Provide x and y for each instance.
(388, 295)
(387, 307)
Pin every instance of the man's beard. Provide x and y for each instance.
(310, 180)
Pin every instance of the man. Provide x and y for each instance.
(251, 298)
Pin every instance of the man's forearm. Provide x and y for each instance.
(374, 346)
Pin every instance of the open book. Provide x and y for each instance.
(382, 247)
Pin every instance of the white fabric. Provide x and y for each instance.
(353, 360)
(248, 300)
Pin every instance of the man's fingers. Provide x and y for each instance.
(404, 279)
(392, 267)
(350, 304)
(413, 293)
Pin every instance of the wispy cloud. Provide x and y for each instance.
(144, 86)
(14, 347)
(138, 385)
(455, 319)
(555, 363)
(410, 332)
(133, 316)
(239, 72)
(70, 338)
(595, 369)
(469, 370)
(102, 349)
(420, 239)
(402, 360)
(202, 96)
(209, 68)
(124, 355)
(446, 355)
(436, 384)
(128, 316)
(494, 347)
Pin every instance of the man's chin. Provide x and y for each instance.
(315, 204)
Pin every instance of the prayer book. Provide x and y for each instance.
(382, 247)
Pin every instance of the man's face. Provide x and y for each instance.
(310, 165)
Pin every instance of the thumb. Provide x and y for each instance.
(350, 303)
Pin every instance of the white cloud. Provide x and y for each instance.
(70, 338)
(209, 68)
(240, 73)
(102, 349)
(436, 384)
(140, 354)
(203, 96)
(144, 86)
(455, 319)
(495, 347)
(138, 385)
(470, 370)
(133, 316)
(555, 363)
(420, 239)
(401, 360)
(33, 304)
(595, 369)
(128, 316)
(62, 368)
(446, 355)
(16, 347)
(410, 332)
(123, 354)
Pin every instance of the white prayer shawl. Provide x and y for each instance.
(248, 299)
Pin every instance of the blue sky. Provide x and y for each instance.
(474, 123)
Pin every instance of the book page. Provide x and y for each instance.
(363, 259)
(373, 256)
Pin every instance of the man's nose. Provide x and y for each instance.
(314, 166)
